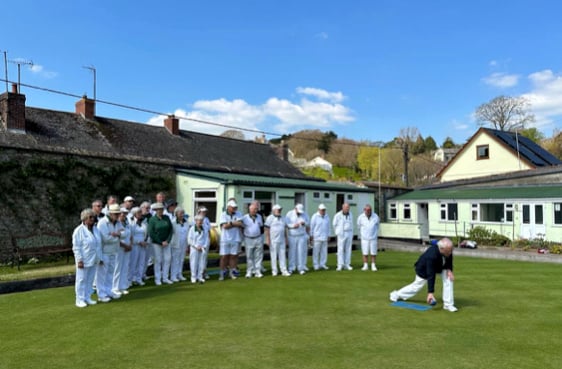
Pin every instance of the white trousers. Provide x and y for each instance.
(319, 254)
(254, 254)
(162, 261)
(178, 257)
(84, 282)
(344, 249)
(137, 263)
(277, 252)
(197, 263)
(104, 275)
(121, 274)
(413, 288)
(298, 252)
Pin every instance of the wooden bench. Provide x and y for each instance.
(40, 245)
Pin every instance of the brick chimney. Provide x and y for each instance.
(12, 110)
(172, 124)
(86, 108)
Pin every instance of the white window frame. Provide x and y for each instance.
(392, 206)
(407, 207)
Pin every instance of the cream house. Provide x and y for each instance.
(490, 152)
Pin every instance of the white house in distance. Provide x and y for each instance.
(498, 180)
(319, 162)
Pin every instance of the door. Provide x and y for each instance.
(532, 221)
(423, 220)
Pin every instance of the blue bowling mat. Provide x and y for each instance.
(409, 305)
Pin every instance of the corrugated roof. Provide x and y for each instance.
(265, 181)
(489, 193)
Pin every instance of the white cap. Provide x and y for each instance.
(232, 203)
(129, 198)
(321, 207)
(157, 205)
(299, 208)
(125, 210)
(276, 207)
(202, 209)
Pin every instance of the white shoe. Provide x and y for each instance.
(274, 274)
(248, 275)
(286, 274)
(175, 280)
(158, 283)
(141, 283)
(202, 281)
(349, 267)
(167, 281)
(91, 302)
(305, 269)
(302, 272)
(450, 308)
(81, 304)
(365, 267)
(193, 280)
(325, 267)
(374, 267)
(338, 269)
(394, 296)
(182, 278)
(116, 295)
(259, 275)
(104, 299)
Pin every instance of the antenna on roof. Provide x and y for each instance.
(93, 69)
(21, 62)
(6, 68)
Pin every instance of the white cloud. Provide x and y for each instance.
(493, 63)
(321, 94)
(501, 80)
(276, 114)
(545, 98)
(322, 35)
(39, 70)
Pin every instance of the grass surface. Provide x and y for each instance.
(509, 317)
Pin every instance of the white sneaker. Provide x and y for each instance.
(325, 267)
(193, 280)
(374, 267)
(394, 296)
(81, 304)
(175, 280)
(182, 278)
(104, 299)
(116, 295)
(91, 302)
(259, 275)
(167, 281)
(158, 283)
(124, 292)
(286, 274)
(338, 269)
(349, 267)
(141, 283)
(302, 272)
(248, 275)
(365, 267)
(450, 308)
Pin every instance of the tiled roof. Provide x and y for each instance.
(258, 180)
(67, 132)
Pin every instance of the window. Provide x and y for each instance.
(538, 214)
(475, 216)
(327, 196)
(316, 195)
(509, 213)
(407, 212)
(349, 197)
(492, 212)
(208, 199)
(449, 211)
(482, 152)
(393, 213)
(558, 213)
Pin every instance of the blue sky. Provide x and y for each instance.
(363, 69)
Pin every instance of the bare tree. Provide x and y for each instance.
(505, 113)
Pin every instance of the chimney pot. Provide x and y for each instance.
(86, 107)
(172, 124)
(14, 88)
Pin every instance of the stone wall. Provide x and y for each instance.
(44, 193)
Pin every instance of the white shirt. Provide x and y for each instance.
(139, 231)
(179, 238)
(197, 237)
(293, 218)
(320, 227)
(109, 243)
(276, 225)
(86, 245)
(368, 227)
(343, 223)
(231, 234)
(252, 226)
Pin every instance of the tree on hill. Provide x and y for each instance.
(505, 113)
(304, 144)
(448, 143)
(343, 153)
(430, 144)
(554, 144)
(533, 134)
(325, 142)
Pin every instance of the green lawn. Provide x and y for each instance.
(509, 317)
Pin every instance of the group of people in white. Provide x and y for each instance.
(113, 246)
